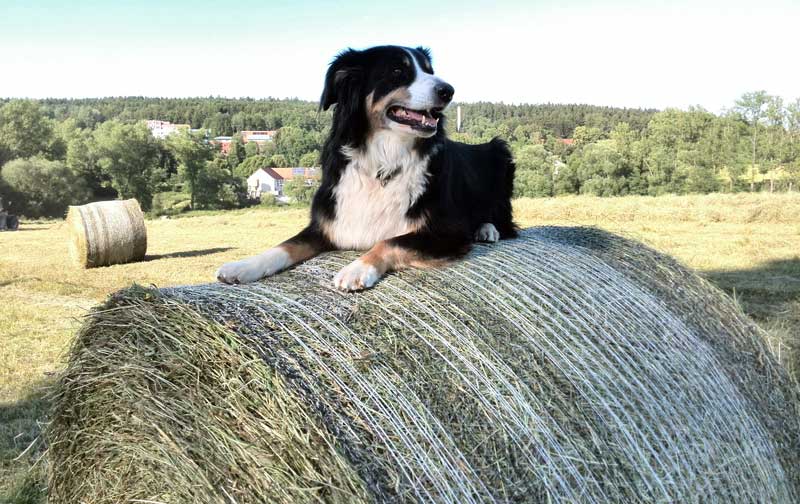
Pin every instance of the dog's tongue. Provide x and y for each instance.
(415, 115)
(422, 118)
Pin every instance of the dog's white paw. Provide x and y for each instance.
(355, 276)
(487, 233)
(253, 268)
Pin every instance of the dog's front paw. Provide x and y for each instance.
(253, 268)
(487, 233)
(355, 276)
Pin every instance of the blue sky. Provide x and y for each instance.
(621, 53)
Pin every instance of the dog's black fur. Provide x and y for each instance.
(468, 185)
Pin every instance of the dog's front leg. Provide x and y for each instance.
(419, 250)
(305, 245)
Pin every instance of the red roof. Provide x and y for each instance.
(567, 141)
(272, 173)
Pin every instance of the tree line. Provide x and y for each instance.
(57, 152)
(755, 145)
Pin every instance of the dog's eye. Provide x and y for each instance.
(397, 71)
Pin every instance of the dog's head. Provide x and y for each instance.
(386, 87)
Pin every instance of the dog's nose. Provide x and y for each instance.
(445, 91)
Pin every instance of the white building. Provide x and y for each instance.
(264, 181)
(259, 137)
(162, 129)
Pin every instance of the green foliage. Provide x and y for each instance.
(171, 203)
(535, 171)
(309, 159)
(250, 149)
(42, 188)
(191, 152)
(612, 152)
(299, 190)
(24, 130)
(278, 161)
(127, 154)
(218, 188)
(268, 200)
(292, 143)
(251, 164)
(237, 153)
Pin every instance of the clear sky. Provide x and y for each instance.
(621, 53)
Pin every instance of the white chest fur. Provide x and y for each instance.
(369, 210)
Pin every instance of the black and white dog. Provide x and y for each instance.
(392, 183)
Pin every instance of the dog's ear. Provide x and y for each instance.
(343, 76)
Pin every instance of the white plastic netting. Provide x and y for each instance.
(568, 365)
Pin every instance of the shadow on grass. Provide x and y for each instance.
(770, 294)
(766, 291)
(21, 479)
(187, 253)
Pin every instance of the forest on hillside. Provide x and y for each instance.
(57, 152)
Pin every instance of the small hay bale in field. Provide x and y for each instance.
(106, 233)
(569, 365)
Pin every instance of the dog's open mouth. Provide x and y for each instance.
(425, 120)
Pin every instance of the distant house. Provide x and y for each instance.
(264, 181)
(567, 141)
(308, 174)
(271, 180)
(259, 137)
(224, 143)
(162, 129)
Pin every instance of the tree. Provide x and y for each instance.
(535, 171)
(127, 153)
(217, 187)
(191, 151)
(600, 169)
(310, 159)
(237, 153)
(42, 188)
(299, 190)
(278, 161)
(250, 165)
(250, 149)
(24, 130)
(293, 142)
(793, 131)
(82, 158)
(585, 135)
(753, 107)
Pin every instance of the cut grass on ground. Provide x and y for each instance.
(748, 245)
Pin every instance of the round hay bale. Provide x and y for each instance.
(569, 365)
(106, 233)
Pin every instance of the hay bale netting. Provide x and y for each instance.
(106, 233)
(569, 365)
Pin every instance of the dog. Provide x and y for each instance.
(392, 183)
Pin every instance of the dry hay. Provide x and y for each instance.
(106, 233)
(570, 365)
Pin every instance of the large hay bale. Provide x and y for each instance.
(569, 365)
(106, 233)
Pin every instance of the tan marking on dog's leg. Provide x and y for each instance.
(298, 252)
(365, 271)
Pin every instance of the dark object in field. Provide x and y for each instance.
(106, 233)
(570, 365)
(12, 223)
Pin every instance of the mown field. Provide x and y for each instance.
(748, 245)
